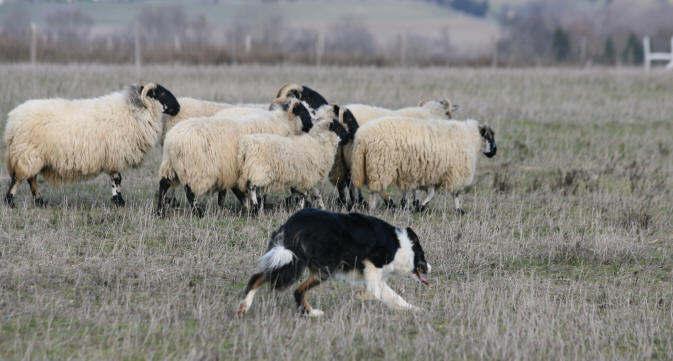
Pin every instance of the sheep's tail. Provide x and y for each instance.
(281, 266)
(358, 165)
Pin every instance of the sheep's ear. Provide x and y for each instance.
(351, 122)
(422, 102)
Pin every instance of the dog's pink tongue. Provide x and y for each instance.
(422, 279)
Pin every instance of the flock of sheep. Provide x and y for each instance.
(293, 144)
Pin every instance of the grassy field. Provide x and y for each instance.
(565, 252)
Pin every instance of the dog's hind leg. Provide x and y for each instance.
(300, 296)
(255, 282)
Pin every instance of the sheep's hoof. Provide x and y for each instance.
(389, 204)
(118, 200)
(197, 212)
(9, 200)
(39, 202)
(290, 202)
(460, 212)
(420, 208)
(161, 212)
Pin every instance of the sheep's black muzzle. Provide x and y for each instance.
(167, 99)
(492, 151)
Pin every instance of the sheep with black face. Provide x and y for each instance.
(71, 140)
(202, 153)
(407, 153)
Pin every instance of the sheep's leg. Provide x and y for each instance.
(116, 179)
(165, 185)
(221, 197)
(372, 201)
(37, 198)
(11, 191)
(239, 195)
(356, 195)
(191, 198)
(423, 206)
(316, 195)
(253, 204)
(171, 199)
(457, 203)
(387, 201)
(302, 200)
(342, 187)
(405, 201)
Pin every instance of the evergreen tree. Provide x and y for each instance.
(609, 55)
(633, 51)
(560, 44)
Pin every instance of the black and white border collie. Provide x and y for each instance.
(361, 250)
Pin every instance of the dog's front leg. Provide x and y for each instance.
(392, 299)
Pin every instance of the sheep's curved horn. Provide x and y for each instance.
(278, 100)
(449, 107)
(341, 115)
(422, 102)
(290, 108)
(286, 88)
(146, 88)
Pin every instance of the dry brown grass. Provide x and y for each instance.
(565, 252)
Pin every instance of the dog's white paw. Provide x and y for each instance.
(242, 309)
(315, 313)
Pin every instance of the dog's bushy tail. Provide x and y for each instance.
(281, 266)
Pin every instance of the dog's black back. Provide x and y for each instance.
(328, 242)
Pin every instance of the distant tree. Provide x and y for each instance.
(609, 54)
(560, 44)
(633, 51)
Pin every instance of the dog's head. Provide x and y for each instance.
(412, 255)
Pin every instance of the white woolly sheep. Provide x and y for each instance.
(408, 153)
(72, 140)
(201, 153)
(270, 162)
(362, 114)
(191, 108)
(426, 109)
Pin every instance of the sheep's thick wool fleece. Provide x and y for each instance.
(202, 152)
(408, 154)
(191, 108)
(71, 140)
(367, 113)
(271, 162)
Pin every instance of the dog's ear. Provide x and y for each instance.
(412, 235)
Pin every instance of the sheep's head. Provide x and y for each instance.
(157, 92)
(340, 131)
(443, 108)
(303, 93)
(294, 108)
(346, 117)
(489, 140)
